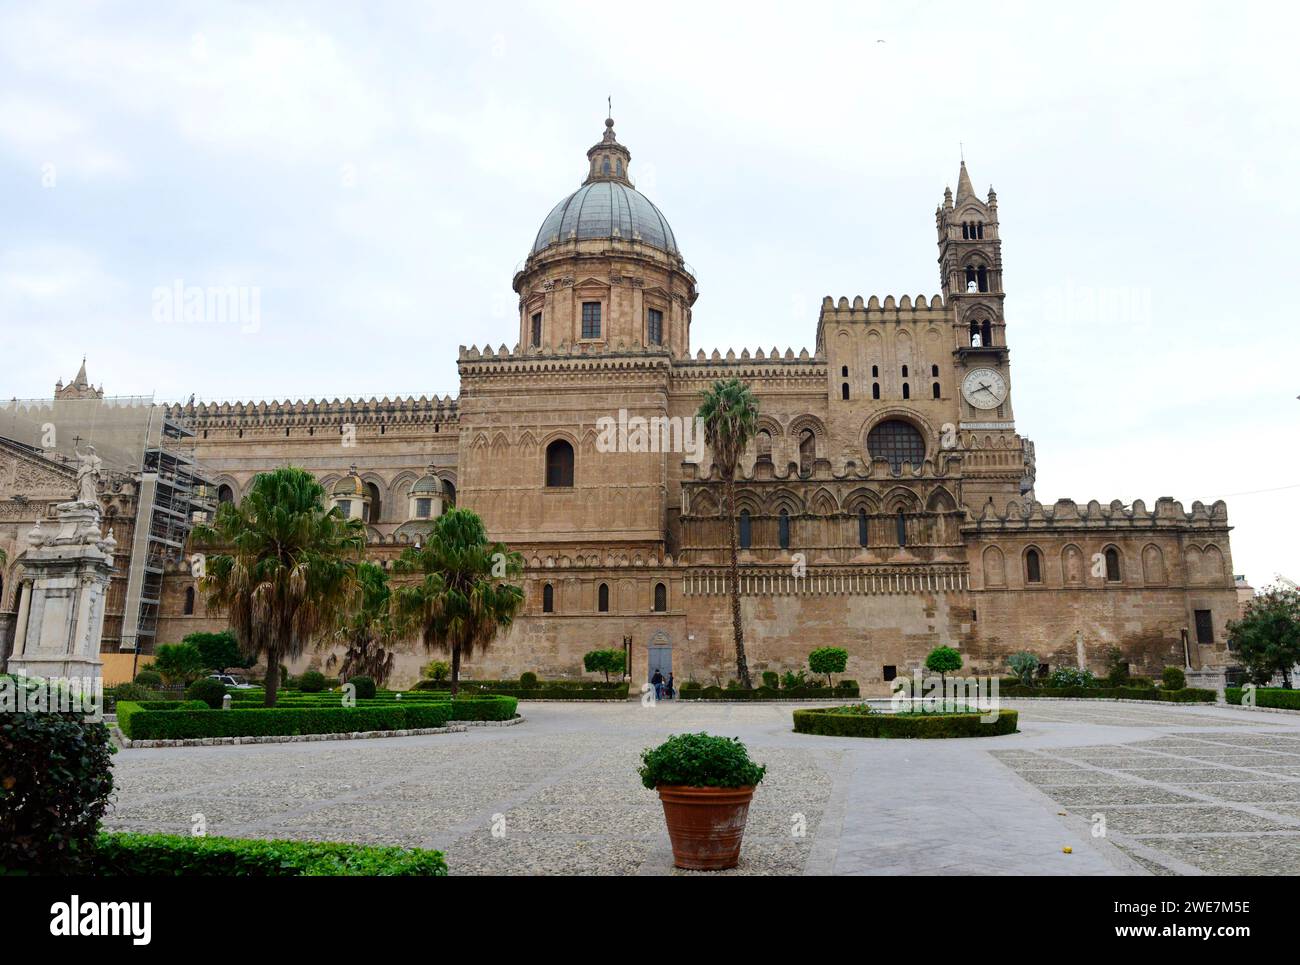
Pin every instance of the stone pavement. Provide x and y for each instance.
(1181, 790)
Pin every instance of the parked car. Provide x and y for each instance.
(231, 681)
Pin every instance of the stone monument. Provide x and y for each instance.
(66, 569)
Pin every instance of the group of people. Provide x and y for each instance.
(664, 687)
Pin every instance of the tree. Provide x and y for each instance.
(220, 651)
(1267, 637)
(943, 661)
(284, 567)
(463, 599)
(729, 412)
(828, 660)
(609, 661)
(1024, 665)
(367, 629)
(179, 663)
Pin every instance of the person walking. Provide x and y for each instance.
(658, 681)
(669, 689)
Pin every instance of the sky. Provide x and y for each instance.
(368, 177)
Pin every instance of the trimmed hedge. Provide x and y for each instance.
(1278, 697)
(141, 855)
(545, 689)
(834, 722)
(1188, 695)
(138, 723)
(845, 688)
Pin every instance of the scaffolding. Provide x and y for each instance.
(174, 495)
(136, 438)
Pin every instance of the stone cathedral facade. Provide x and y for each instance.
(886, 506)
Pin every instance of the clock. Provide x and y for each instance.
(984, 388)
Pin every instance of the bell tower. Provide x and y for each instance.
(970, 262)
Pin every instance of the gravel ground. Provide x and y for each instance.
(1182, 790)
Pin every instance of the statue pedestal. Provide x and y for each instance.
(61, 616)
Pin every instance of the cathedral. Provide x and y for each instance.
(886, 506)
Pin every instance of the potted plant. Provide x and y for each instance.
(705, 784)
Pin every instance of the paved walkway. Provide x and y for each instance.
(1179, 790)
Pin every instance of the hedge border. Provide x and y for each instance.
(1269, 698)
(1188, 695)
(149, 855)
(723, 695)
(832, 722)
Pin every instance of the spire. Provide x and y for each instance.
(81, 381)
(964, 189)
(609, 159)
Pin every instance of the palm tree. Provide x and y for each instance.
(285, 569)
(367, 629)
(462, 600)
(730, 415)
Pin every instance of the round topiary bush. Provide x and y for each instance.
(365, 687)
(55, 782)
(1173, 678)
(311, 682)
(771, 679)
(528, 680)
(699, 760)
(149, 679)
(129, 692)
(207, 690)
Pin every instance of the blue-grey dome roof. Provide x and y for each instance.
(606, 209)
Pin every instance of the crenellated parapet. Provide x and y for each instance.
(1066, 514)
(314, 412)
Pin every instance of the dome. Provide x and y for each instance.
(349, 486)
(607, 206)
(427, 485)
(606, 209)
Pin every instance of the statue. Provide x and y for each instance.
(88, 475)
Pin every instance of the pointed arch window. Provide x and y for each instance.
(559, 465)
(189, 601)
(661, 598)
(907, 391)
(935, 390)
(783, 530)
(986, 332)
(1113, 574)
(875, 371)
(602, 598)
(548, 599)
(746, 530)
(875, 390)
(900, 524)
(1033, 567)
(862, 527)
(807, 451)
(844, 391)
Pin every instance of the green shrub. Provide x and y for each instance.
(166, 855)
(1024, 665)
(771, 680)
(55, 782)
(605, 661)
(149, 679)
(311, 682)
(699, 760)
(133, 691)
(691, 686)
(733, 684)
(1116, 668)
(528, 680)
(1173, 678)
(1266, 697)
(794, 680)
(178, 663)
(1072, 677)
(943, 660)
(828, 660)
(437, 670)
(141, 723)
(1189, 695)
(207, 690)
(857, 722)
(845, 688)
(484, 708)
(365, 686)
(1136, 681)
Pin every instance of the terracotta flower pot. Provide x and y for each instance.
(706, 824)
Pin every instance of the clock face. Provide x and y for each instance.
(984, 388)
